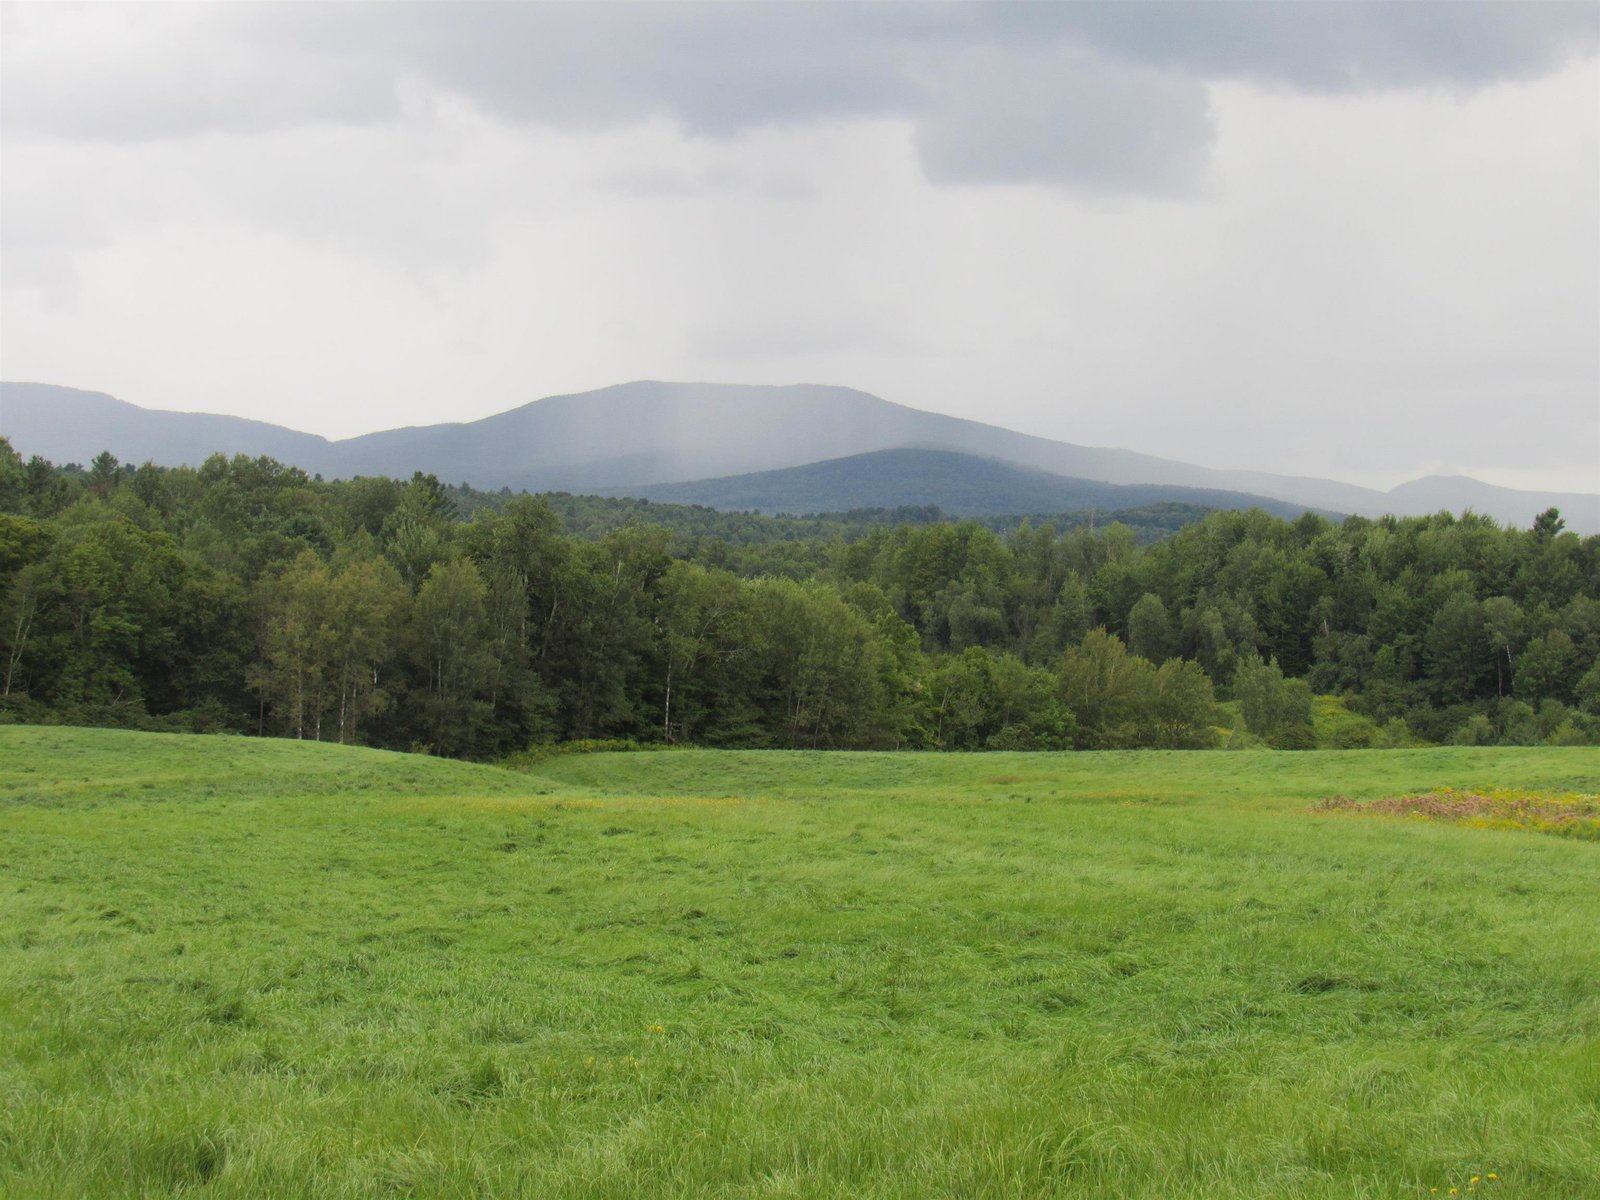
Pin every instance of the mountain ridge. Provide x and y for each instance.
(651, 432)
(962, 485)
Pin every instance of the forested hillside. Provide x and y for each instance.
(245, 596)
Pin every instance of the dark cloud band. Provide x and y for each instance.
(1104, 96)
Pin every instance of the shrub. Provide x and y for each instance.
(1477, 731)
(1569, 733)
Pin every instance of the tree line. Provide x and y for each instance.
(244, 596)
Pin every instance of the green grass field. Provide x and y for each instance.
(247, 968)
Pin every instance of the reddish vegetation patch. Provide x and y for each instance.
(1571, 814)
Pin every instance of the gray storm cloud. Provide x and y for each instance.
(1103, 96)
(1064, 117)
(1352, 45)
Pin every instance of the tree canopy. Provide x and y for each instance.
(243, 595)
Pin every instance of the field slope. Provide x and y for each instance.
(234, 967)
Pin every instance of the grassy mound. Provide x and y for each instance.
(253, 968)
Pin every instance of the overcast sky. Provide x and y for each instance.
(1351, 240)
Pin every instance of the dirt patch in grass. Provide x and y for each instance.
(1567, 814)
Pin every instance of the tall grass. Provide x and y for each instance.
(249, 968)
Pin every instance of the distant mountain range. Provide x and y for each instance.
(959, 484)
(638, 438)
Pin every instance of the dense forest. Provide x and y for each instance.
(244, 596)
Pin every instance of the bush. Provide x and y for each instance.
(524, 760)
(1338, 728)
(1395, 735)
(1570, 733)
(1517, 722)
(1478, 731)
(17, 709)
(1552, 715)
(1354, 737)
(1299, 736)
(1438, 726)
(1240, 738)
(1017, 737)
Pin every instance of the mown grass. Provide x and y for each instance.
(251, 968)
